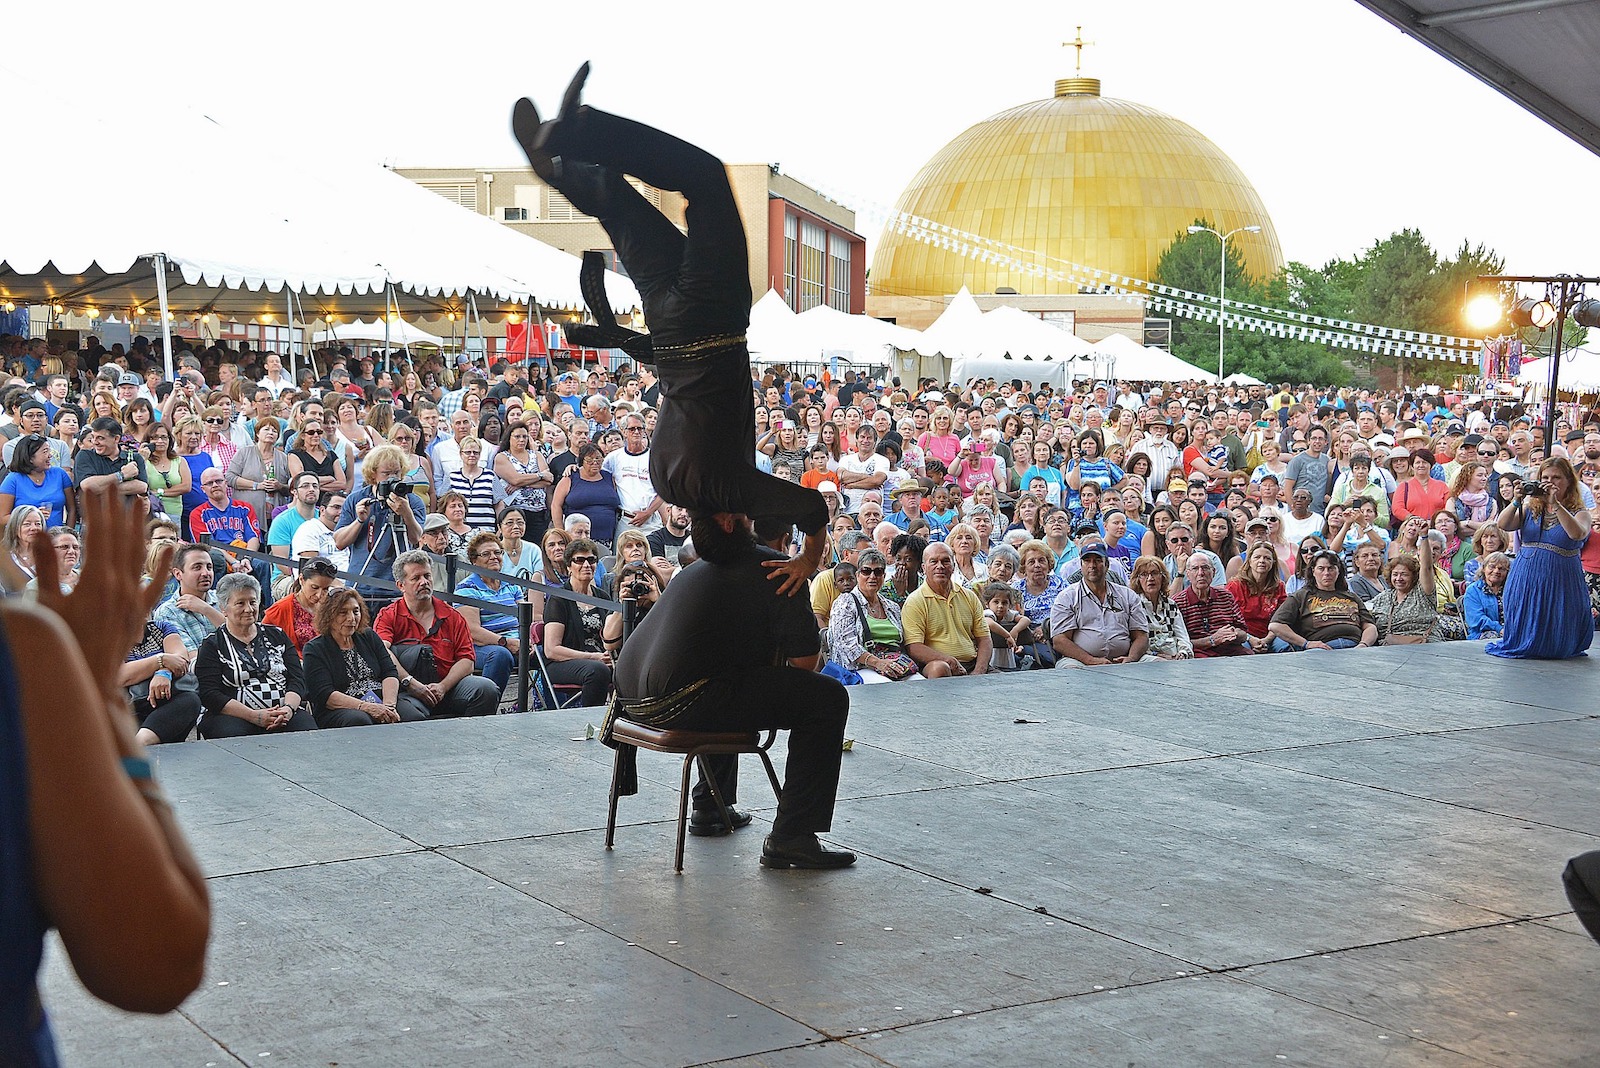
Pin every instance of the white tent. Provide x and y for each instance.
(400, 333)
(1580, 371)
(778, 335)
(1139, 363)
(208, 235)
(1239, 378)
(958, 331)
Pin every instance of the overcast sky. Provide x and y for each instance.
(1348, 129)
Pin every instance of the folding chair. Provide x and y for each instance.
(546, 688)
(694, 746)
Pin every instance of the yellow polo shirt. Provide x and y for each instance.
(951, 625)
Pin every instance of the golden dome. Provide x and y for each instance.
(1079, 177)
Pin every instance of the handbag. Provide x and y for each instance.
(882, 650)
(1391, 638)
(418, 660)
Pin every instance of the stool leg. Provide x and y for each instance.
(683, 812)
(611, 817)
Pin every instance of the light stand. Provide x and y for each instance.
(1564, 293)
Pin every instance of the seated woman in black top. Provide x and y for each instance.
(249, 674)
(574, 642)
(351, 679)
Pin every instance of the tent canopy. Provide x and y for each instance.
(233, 240)
(400, 332)
(1140, 363)
(1580, 372)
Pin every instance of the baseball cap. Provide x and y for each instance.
(1472, 441)
(1455, 428)
(1400, 454)
(826, 486)
(435, 521)
(1501, 422)
(1093, 548)
(1084, 528)
(1385, 440)
(1258, 524)
(128, 378)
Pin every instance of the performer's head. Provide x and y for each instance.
(721, 537)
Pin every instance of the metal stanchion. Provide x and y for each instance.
(525, 633)
(630, 618)
(451, 560)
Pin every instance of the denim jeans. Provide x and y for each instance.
(1281, 646)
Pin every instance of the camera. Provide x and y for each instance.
(390, 486)
(1532, 489)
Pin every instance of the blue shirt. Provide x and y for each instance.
(508, 594)
(50, 498)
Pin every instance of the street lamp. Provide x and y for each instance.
(1222, 283)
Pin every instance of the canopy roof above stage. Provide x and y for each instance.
(234, 237)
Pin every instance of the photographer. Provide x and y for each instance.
(380, 520)
(106, 463)
(636, 582)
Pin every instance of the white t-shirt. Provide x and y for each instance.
(632, 476)
(315, 539)
(872, 465)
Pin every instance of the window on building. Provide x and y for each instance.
(838, 273)
(813, 264)
(791, 261)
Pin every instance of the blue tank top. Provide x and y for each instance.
(24, 1032)
(598, 500)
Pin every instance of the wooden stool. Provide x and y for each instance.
(693, 745)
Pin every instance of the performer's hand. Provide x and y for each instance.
(795, 573)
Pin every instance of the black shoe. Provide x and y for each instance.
(707, 822)
(803, 852)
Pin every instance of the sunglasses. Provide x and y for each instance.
(214, 421)
(583, 561)
(324, 568)
(1179, 541)
(869, 570)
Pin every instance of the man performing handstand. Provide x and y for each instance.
(724, 649)
(696, 292)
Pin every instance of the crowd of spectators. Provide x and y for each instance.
(974, 526)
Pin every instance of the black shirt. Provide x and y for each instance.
(665, 544)
(713, 617)
(90, 463)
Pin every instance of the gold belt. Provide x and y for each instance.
(703, 347)
(1550, 548)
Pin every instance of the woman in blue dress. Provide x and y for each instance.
(79, 811)
(1546, 599)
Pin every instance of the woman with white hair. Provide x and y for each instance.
(250, 676)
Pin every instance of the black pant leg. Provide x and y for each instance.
(333, 718)
(812, 708)
(592, 675)
(172, 720)
(1582, 882)
(410, 709)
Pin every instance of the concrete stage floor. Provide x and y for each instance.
(1335, 859)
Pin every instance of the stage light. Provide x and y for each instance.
(1530, 312)
(10, 307)
(1587, 313)
(92, 312)
(1484, 311)
(58, 309)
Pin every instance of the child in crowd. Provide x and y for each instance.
(1010, 629)
(940, 513)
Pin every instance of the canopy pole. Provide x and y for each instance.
(288, 322)
(388, 297)
(166, 322)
